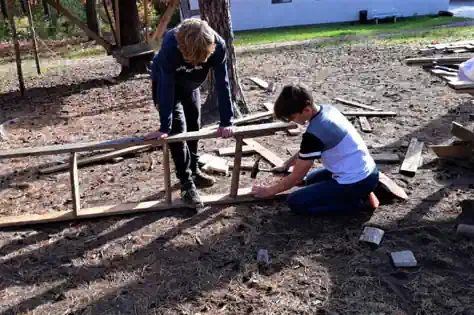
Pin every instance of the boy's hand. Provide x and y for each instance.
(281, 169)
(156, 135)
(225, 132)
(261, 191)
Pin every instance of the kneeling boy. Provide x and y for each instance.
(349, 175)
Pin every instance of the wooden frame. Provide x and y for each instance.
(236, 195)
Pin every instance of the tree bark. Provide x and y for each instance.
(130, 34)
(217, 14)
(92, 16)
(4, 12)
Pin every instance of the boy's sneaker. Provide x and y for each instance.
(203, 180)
(191, 197)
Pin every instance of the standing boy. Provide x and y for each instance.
(187, 54)
(349, 175)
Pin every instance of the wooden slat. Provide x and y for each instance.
(412, 158)
(364, 124)
(264, 152)
(243, 196)
(457, 84)
(167, 172)
(459, 150)
(234, 186)
(461, 132)
(246, 149)
(441, 61)
(370, 114)
(261, 83)
(75, 194)
(247, 131)
(356, 104)
(82, 26)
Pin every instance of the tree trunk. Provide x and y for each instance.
(4, 12)
(217, 14)
(92, 16)
(130, 34)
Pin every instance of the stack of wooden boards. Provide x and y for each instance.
(458, 149)
(447, 69)
(449, 48)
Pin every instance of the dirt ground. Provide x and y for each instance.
(176, 262)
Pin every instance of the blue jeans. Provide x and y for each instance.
(322, 194)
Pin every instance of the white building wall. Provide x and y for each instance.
(257, 14)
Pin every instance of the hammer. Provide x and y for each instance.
(256, 168)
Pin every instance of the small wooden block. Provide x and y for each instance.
(364, 124)
(385, 158)
(404, 259)
(231, 150)
(465, 230)
(412, 158)
(372, 235)
(389, 185)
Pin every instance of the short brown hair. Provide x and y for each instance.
(196, 40)
(293, 99)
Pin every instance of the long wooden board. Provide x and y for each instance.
(356, 104)
(264, 152)
(364, 124)
(246, 149)
(246, 131)
(129, 208)
(441, 61)
(370, 114)
(462, 132)
(412, 158)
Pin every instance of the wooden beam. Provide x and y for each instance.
(247, 131)
(264, 152)
(234, 187)
(231, 150)
(458, 150)
(75, 194)
(412, 158)
(82, 26)
(370, 114)
(461, 132)
(355, 104)
(165, 20)
(33, 35)
(167, 172)
(440, 61)
(243, 196)
(364, 124)
(111, 155)
(16, 46)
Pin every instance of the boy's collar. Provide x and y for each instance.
(320, 109)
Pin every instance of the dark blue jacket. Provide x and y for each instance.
(173, 73)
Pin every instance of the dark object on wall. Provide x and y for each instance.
(363, 17)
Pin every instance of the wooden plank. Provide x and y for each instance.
(234, 186)
(385, 158)
(457, 84)
(459, 150)
(264, 152)
(356, 104)
(167, 172)
(441, 61)
(370, 114)
(389, 185)
(82, 26)
(246, 149)
(94, 159)
(246, 131)
(261, 83)
(75, 194)
(461, 132)
(412, 158)
(243, 196)
(364, 124)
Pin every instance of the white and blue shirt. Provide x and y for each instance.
(333, 139)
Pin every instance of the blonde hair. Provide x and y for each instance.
(196, 40)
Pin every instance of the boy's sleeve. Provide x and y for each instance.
(311, 147)
(222, 85)
(165, 69)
